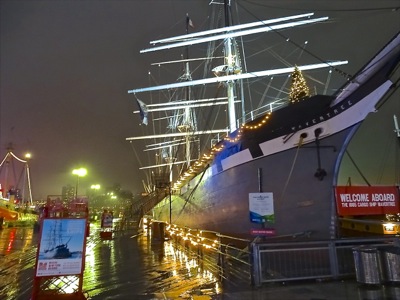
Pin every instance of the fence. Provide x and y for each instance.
(228, 258)
(239, 261)
(308, 260)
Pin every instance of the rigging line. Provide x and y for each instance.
(388, 146)
(357, 168)
(281, 90)
(138, 160)
(348, 76)
(343, 10)
(134, 151)
(20, 178)
(396, 86)
(244, 67)
(192, 192)
(292, 168)
(218, 113)
(303, 49)
(328, 80)
(173, 26)
(13, 170)
(261, 102)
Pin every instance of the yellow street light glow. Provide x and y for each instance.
(79, 172)
(95, 186)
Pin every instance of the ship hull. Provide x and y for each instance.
(299, 167)
(12, 217)
(8, 215)
(302, 202)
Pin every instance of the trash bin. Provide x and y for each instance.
(390, 262)
(366, 262)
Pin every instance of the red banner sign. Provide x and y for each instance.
(367, 200)
(262, 231)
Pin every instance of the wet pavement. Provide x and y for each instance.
(131, 266)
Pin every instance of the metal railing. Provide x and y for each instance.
(238, 261)
(290, 261)
(227, 257)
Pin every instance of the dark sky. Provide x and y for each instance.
(66, 67)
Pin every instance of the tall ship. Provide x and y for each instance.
(16, 205)
(228, 143)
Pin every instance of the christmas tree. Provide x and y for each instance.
(299, 89)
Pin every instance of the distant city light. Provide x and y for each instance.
(95, 186)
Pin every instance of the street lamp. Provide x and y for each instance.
(79, 173)
(94, 197)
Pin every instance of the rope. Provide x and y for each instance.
(357, 168)
(292, 168)
(192, 192)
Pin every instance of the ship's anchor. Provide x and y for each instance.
(320, 173)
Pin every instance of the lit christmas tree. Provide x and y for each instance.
(299, 89)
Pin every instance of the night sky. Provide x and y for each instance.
(66, 67)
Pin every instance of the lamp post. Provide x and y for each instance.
(79, 173)
(94, 195)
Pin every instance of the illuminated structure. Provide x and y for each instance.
(13, 185)
(290, 150)
(68, 193)
(81, 172)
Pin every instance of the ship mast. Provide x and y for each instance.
(231, 66)
(188, 125)
(227, 74)
(7, 162)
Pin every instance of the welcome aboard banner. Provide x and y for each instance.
(367, 200)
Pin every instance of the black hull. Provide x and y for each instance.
(302, 202)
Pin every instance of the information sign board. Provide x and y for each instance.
(261, 206)
(61, 249)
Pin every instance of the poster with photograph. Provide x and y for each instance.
(61, 247)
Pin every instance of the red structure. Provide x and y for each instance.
(106, 230)
(60, 259)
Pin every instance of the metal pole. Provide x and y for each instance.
(76, 187)
(170, 204)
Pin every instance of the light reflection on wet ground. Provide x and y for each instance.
(17, 261)
(127, 267)
(134, 267)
